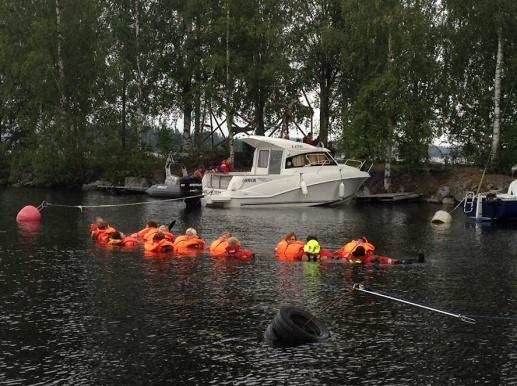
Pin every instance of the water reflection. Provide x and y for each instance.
(198, 320)
(28, 231)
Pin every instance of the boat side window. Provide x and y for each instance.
(275, 161)
(296, 161)
(263, 158)
(319, 159)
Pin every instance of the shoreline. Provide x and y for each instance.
(434, 185)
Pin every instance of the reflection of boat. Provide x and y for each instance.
(492, 206)
(285, 173)
(175, 186)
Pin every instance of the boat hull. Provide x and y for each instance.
(324, 193)
(493, 208)
(183, 189)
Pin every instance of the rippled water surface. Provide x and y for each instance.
(74, 313)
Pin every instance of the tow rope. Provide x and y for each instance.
(45, 204)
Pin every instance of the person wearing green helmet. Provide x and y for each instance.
(311, 249)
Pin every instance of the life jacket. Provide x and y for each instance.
(218, 247)
(168, 235)
(126, 242)
(347, 250)
(159, 246)
(289, 250)
(182, 245)
(148, 234)
(102, 235)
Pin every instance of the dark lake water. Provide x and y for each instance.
(74, 313)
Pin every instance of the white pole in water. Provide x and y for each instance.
(363, 288)
(479, 207)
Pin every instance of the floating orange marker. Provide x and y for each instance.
(28, 213)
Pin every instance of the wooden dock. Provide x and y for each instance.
(389, 197)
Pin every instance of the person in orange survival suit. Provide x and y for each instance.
(101, 231)
(166, 232)
(362, 251)
(158, 244)
(190, 242)
(233, 249)
(289, 248)
(118, 239)
(218, 246)
(347, 250)
(147, 233)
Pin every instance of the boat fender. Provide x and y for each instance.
(303, 187)
(341, 190)
(441, 217)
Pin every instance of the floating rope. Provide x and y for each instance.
(363, 288)
(457, 206)
(45, 204)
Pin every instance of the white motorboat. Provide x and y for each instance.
(285, 173)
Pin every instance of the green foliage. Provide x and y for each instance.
(4, 163)
(85, 95)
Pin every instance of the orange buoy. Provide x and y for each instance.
(28, 214)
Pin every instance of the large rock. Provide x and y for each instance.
(443, 191)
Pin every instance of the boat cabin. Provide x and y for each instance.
(272, 155)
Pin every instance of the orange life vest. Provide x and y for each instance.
(218, 247)
(102, 235)
(168, 235)
(182, 245)
(289, 250)
(159, 246)
(347, 250)
(148, 233)
(126, 242)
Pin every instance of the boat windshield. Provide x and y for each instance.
(309, 159)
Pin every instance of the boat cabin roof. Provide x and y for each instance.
(261, 142)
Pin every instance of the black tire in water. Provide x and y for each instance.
(293, 325)
(269, 334)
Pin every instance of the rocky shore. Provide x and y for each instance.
(441, 186)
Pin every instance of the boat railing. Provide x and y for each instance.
(468, 202)
(218, 181)
(363, 165)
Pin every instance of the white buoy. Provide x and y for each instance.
(341, 190)
(441, 217)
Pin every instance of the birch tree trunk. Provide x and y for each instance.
(496, 133)
(123, 112)
(387, 162)
(229, 113)
(60, 65)
(197, 115)
(139, 113)
(389, 140)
